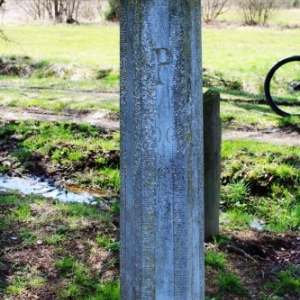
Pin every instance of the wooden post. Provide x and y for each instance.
(212, 162)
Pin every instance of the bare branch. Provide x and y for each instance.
(258, 11)
(211, 9)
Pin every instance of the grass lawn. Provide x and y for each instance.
(90, 45)
(238, 56)
(286, 18)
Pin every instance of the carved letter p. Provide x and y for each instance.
(164, 58)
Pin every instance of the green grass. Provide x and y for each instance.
(91, 45)
(104, 242)
(77, 279)
(67, 265)
(237, 116)
(260, 179)
(92, 50)
(77, 210)
(89, 61)
(229, 282)
(237, 218)
(215, 260)
(107, 291)
(287, 281)
(58, 102)
(70, 145)
(233, 61)
(57, 87)
(284, 18)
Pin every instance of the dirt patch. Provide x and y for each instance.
(17, 160)
(14, 68)
(258, 258)
(272, 136)
(41, 165)
(273, 249)
(103, 118)
(29, 253)
(110, 120)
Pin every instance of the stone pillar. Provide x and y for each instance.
(162, 172)
(212, 162)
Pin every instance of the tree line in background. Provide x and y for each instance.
(60, 11)
(254, 12)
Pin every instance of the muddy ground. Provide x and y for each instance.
(257, 257)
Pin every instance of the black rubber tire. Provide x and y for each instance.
(267, 83)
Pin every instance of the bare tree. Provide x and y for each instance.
(99, 7)
(3, 36)
(86, 10)
(57, 10)
(71, 10)
(211, 9)
(258, 11)
(33, 8)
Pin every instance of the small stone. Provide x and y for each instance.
(105, 208)
(6, 164)
(39, 242)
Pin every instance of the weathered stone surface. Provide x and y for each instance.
(162, 219)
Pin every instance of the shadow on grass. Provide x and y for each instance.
(247, 101)
(246, 96)
(255, 107)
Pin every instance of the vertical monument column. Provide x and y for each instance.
(162, 217)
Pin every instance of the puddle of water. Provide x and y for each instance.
(72, 193)
(97, 192)
(257, 225)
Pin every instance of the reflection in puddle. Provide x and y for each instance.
(72, 193)
(257, 224)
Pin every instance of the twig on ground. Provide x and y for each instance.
(239, 251)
